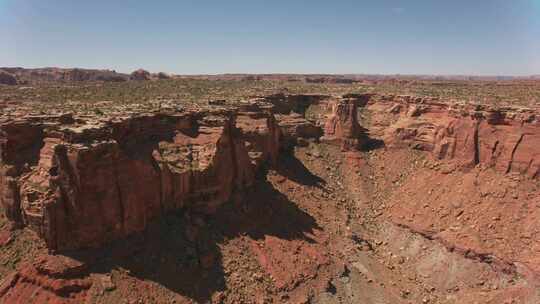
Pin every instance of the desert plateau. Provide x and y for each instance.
(269, 152)
(155, 188)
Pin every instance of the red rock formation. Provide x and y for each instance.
(296, 127)
(506, 138)
(290, 112)
(342, 124)
(82, 185)
(262, 134)
(83, 181)
(50, 279)
(20, 142)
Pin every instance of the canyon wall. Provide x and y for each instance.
(341, 125)
(83, 183)
(333, 119)
(81, 180)
(501, 137)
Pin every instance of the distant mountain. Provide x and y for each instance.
(52, 74)
(44, 75)
(354, 78)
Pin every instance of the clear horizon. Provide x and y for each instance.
(482, 38)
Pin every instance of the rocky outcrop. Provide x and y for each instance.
(504, 138)
(7, 78)
(335, 119)
(291, 111)
(20, 143)
(342, 125)
(81, 183)
(140, 75)
(79, 75)
(262, 135)
(50, 277)
(296, 127)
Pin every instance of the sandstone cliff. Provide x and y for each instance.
(81, 184)
(342, 124)
(504, 138)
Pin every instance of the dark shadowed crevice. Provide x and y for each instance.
(476, 143)
(510, 164)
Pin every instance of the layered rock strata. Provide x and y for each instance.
(290, 111)
(81, 183)
(507, 139)
(342, 125)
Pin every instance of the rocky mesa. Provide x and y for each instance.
(81, 183)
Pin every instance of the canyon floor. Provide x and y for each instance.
(323, 224)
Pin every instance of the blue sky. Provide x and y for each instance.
(480, 37)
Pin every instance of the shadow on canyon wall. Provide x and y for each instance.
(372, 144)
(181, 252)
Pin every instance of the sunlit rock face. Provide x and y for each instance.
(504, 138)
(84, 184)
